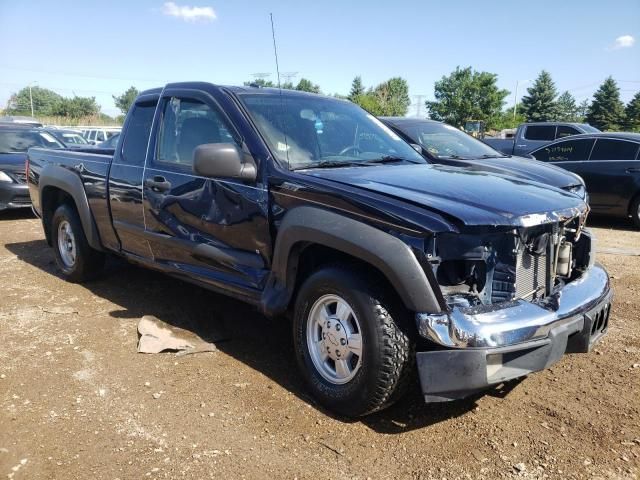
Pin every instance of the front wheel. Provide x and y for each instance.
(74, 256)
(635, 211)
(353, 355)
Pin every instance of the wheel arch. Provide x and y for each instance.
(58, 186)
(308, 230)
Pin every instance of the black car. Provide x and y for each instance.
(15, 140)
(609, 163)
(110, 142)
(444, 144)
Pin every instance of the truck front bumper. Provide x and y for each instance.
(488, 345)
(14, 195)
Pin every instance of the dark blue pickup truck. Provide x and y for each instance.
(310, 206)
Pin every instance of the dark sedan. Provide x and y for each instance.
(14, 142)
(609, 163)
(446, 145)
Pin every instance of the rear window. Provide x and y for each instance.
(14, 141)
(567, 151)
(136, 137)
(540, 132)
(606, 149)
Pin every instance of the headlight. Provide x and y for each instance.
(578, 190)
(5, 178)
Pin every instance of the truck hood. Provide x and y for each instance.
(473, 196)
(525, 168)
(13, 162)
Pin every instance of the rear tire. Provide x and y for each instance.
(635, 211)
(353, 355)
(74, 256)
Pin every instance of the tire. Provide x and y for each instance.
(376, 377)
(75, 258)
(635, 211)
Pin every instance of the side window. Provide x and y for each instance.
(567, 151)
(187, 123)
(565, 131)
(606, 149)
(540, 132)
(136, 135)
(100, 136)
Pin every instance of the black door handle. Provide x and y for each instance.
(157, 184)
(633, 170)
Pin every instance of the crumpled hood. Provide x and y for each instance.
(526, 168)
(13, 162)
(473, 196)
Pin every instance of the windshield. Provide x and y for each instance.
(74, 138)
(444, 141)
(12, 141)
(308, 131)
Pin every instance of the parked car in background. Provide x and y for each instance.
(111, 142)
(530, 136)
(443, 144)
(15, 140)
(70, 138)
(98, 135)
(20, 119)
(296, 202)
(609, 163)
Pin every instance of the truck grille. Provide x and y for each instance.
(21, 177)
(531, 275)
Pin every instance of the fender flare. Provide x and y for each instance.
(390, 255)
(70, 183)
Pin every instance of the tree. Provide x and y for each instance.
(467, 95)
(607, 110)
(393, 96)
(357, 88)
(305, 85)
(582, 110)
(540, 105)
(260, 82)
(44, 101)
(566, 108)
(76, 107)
(124, 101)
(632, 114)
(370, 102)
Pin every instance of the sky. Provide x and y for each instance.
(100, 48)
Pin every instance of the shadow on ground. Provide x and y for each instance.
(613, 223)
(16, 214)
(237, 329)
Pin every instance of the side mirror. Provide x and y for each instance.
(416, 147)
(222, 160)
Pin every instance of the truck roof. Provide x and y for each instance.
(232, 88)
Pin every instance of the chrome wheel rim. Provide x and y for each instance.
(66, 244)
(334, 339)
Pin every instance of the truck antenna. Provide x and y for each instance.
(275, 48)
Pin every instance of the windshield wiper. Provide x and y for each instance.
(330, 164)
(494, 156)
(389, 159)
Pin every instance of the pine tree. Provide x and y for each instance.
(607, 110)
(567, 110)
(357, 88)
(582, 111)
(632, 114)
(540, 105)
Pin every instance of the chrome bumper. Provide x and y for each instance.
(515, 322)
(488, 346)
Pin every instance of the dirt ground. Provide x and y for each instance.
(78, 402)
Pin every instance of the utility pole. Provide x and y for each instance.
(31, 99)
(515, 97)
(418, 104)
(287, 76)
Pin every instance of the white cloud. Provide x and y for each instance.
(188, 13)
(624, 41)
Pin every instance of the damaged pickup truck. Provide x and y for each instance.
(308, 205)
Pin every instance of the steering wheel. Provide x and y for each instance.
(355, 149)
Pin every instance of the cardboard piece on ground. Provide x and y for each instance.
(155, 336)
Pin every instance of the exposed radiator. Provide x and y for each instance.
(531, 275)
